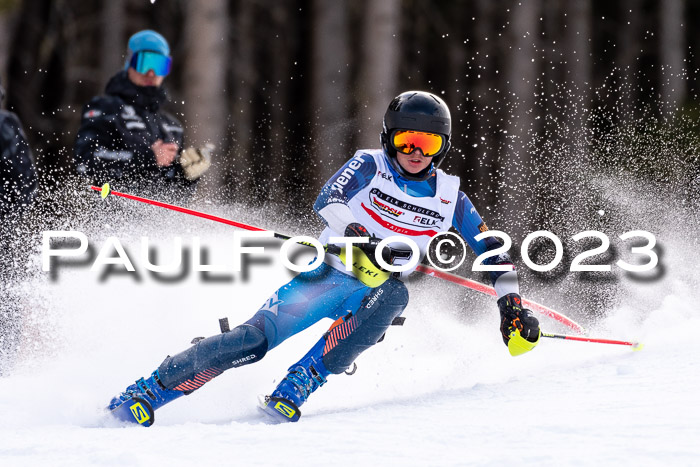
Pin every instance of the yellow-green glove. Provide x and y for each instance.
(520, 330)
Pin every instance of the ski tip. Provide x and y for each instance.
(105, 190)
(637, 346)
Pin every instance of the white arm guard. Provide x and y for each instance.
(337, 216)
(507, 283)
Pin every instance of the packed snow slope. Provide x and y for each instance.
(441, 390)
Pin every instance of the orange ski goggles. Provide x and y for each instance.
(407, 141)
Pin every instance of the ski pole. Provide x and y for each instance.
(634, 345)
(106, 190)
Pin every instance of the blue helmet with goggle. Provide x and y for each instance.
(148, 50)
(417, 120)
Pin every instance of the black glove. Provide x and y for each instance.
(358, 230)
(515, 318)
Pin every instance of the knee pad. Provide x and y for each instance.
(208, 358)
(366, 326)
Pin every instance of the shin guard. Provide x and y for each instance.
(208, 358)
(348, 338)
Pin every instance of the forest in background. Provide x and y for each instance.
(288, 90)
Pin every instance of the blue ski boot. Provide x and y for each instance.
(304, 377)
(139, 401)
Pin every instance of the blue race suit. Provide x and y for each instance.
(361, 314)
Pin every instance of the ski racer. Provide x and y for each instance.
(379, 193)
(124, 136)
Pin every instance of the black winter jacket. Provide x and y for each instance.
(18, 180)
(115, 137)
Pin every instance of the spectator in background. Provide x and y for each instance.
(18, 188)
(124, 137)
(18, 180)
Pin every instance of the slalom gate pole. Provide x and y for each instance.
(488, 290)
(105, 190)
(634, 345)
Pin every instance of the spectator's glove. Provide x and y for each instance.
(520, 330)
(196, 161)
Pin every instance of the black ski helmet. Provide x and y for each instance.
(419, 111)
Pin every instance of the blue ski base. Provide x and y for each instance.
(279, 409)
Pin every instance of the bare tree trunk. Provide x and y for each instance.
(579, 50)
(113, 45)
(521, 79)
(6, 18)
(206, 36)
(577, 116)
(628, 53)
(553, 31)
(244, 78)
(282, 157)
(457, 53)
(29, 32)
(378, 67)
(330, 82)
(672, 54)
(485, 137)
